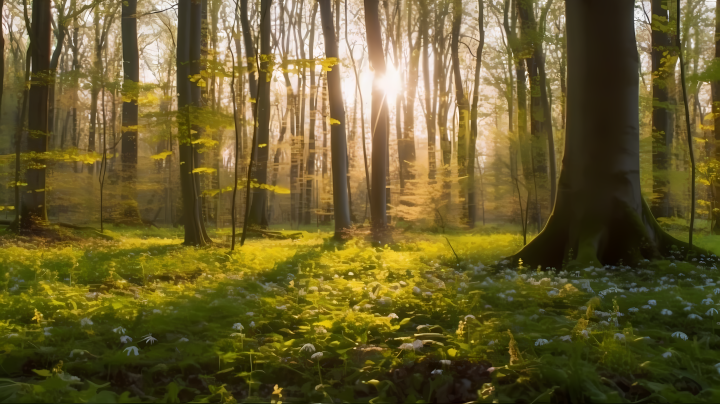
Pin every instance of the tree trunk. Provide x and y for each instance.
(378, 120)
(472, 209)
(413, 72)
(95, 90)
(600, 216)
(2, 55)
(463, 109)
(662, 127)
(129, 155)
(34, 206)
(338, 141)
(258, 207)
(715, 87)
(429, 102)
(311, 133)
(188, 55)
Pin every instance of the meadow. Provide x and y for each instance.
(429, 318)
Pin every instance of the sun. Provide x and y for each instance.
(391, 83)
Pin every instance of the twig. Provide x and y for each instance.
(453, 250)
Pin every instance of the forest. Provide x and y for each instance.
(376, 201)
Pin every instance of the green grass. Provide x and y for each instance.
(249, 326)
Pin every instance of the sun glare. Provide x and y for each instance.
(391, 83)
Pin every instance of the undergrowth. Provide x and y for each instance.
(142, 318)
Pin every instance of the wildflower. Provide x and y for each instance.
(235, 334)
(428, 294)
(487, 306)
(647, 306)
(47, 331)
(666, 312)
(308, 348)
(283, 307)
(393, 316)
(417, 344)
(716, 291)
(252, 324)
(552, 293)
(707, 301)
(717, 366)
(667, 354)
(541, 342)
(313, 289)
(416, 290)
(238, 326)
(619, 337)
(469, 316)
(604, 323)
(156, 311)
(541, 311)
(694, 317)
(633, 310)
(317, 356)
(492, 369)
(407, 347)
(149, 339)
(445, 362)
(119, 330)
(320, 330)
(125, 339)
(509, 298)
(350, 274)
(132, 349)
(652, 302)
(711, 312)
(249, 314)
(681, 335)
(566, 338)
(403, 283)
(436, 372)
(86, 321)
(183, 340)
(688, 308)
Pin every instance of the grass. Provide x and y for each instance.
(310, 320)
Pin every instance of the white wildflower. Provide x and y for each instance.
(445, 362)
(566, 338)
(694, 317)
(633, 310)
(393, 316)
(238, 326)
(125, 339)
(132, 349)
(317, 356)
(681, 335)
(436, 372)
(417, 344)
(308, 348)
(711, 312)
(652, 302)
(183, 340)
(119, 330)
(541, 342)
(249, 314)
(86, 321)
(619, 337)
(407, 347)
(283, 307)
(149, 339)
(666, 312)
(647, 306)
(252, 324)
(708, 301)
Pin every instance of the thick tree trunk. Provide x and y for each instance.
(2, 55)
(130, 213)
(471, 204)
(413, 72)
(600, 216)
(429, 103)
(662, 127)
(188, 55)
(338, 141)
(33, 208)
(715, 86)
(258, 208)
(378, 120)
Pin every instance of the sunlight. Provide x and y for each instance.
(391, 83)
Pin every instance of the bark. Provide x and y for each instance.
(600, 216)
(378, 120)
(258, 209)
(715, 88)
(471, 204)
(430, 118)
(662, 126)
(338, 141)
(463, 109)
(95, 89)
(2, 55)
(33, 208)
(188, 55)
(408, 138)
(129, 153)
(311, 159)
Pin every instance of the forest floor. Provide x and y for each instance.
(141, 318)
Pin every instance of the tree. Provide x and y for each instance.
(258, 207)
(338, 141)
(378, 120)
(310, 165)
(600, 216)
(188, 63)
(33, 209)
(463, 105)
(2, 55)
(471, 204)
(131, 69)
(663, 60)
(715, 86)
